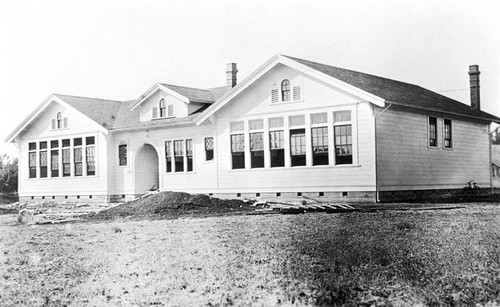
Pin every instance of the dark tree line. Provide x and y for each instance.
(8, 174)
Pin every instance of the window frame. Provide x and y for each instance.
(32, 156)
(209, 152)
(445, 139)
(430, 132)
(285, 90)
(348, 120)
(123, 162)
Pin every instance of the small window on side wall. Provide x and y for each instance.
(447, 134)
(433, 132)
(122, 155)
(209, 149)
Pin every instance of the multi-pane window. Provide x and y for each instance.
(343, 144)
(122, 154)
(277, 148)
(54, 159)
(66, 158)
(179, 156)
(189, 155)
(43, 159)
(168, 155)
(433, 132)
(447, 134)
(276, 141)
(163, 108)
(238, 150)
(59, 120)
(209, 149)
(298, 147)
(257, 149)
(256, 143)
(285, 90)
(320, 145)
(90, 155)
(78, 156)
(237, 145)
(32, 160)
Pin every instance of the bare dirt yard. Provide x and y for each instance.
(412, 257)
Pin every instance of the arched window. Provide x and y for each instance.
(163, 108)
(59, 120)
(285, 90)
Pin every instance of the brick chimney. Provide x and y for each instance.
(231, 72)
(475, 102)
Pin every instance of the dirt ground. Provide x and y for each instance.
(446, 257)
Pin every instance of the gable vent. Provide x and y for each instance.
(65, 122)
(170, 110)
(155, 112)
(296, 93)
(274, 95)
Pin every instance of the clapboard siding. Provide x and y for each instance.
(41, 130)
(255, 103)
(405, 161)
(123, 178)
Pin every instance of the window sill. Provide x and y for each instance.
(179, 173)
(285, 102)
(160, 118)
(280, 168)
(64, 177)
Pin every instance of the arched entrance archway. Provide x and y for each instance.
(146, 169)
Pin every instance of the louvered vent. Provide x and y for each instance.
(274, 95)
(296, 93)
(170, 110)
(155, 112)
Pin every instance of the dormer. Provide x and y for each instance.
(164, 102)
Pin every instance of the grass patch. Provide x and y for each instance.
(449, 257)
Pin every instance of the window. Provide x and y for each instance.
(122, 154)
(277, 147)
(433, 132)
(285, 90)
(238, 151)
(78, 161)
(168, 155)
(163, 108)
(179, 156)
(66, 158)
(447, 134)
(189, 155)
(59, 120)
(32, 160)
(343, 144)
(298, 147)
(43, 160)
(209, 149)
(320, 145)
(257, 149)
(54, 158)
(90, 155)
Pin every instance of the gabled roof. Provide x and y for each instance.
(398, 92)
(377, 90)
(193, 94)
(101, 111)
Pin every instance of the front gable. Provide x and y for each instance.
(282, 90)
(151, 107)
(46, 124)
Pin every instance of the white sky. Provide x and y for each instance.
(119, 49)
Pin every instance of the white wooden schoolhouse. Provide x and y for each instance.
(291, 128)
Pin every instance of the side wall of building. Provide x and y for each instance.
(407, 162)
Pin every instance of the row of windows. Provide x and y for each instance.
(342, 141)
(433, 133)
(60, 157)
